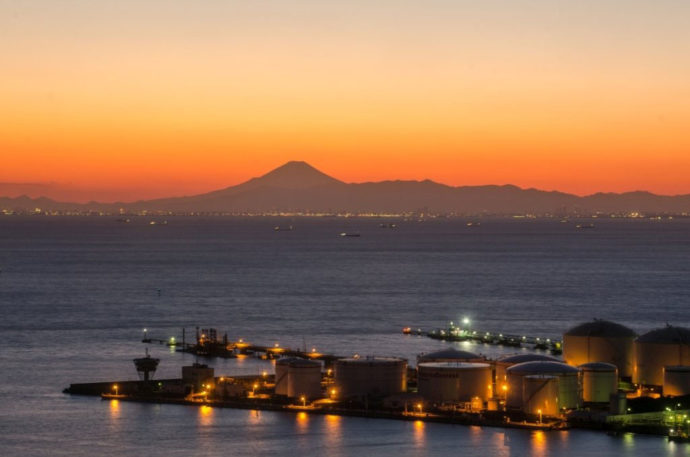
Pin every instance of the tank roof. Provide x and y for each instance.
(598, 366)
(287, 360)
(600, 327)
(666, 335)
(371, 360)
(455, 365)
(304, 363)
(450, 353)
(520, 358)
(542, 366)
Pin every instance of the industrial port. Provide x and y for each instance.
(609, 378)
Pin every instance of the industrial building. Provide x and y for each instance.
(450, 382)
(599, 382)
(370, 376)
(568, 379)
(601, 341)
(657, 349)
(502, 364)
(298, 378)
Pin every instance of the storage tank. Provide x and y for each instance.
(282, 366)
(568, 382)
(676, 380)
(304, 379)
(599, 381)
(668, 346)
(361, 376)
(508, 361)
(454, 381)
(540, 395)
(449, 355)
(600, 341)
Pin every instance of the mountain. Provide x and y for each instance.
(299, 187)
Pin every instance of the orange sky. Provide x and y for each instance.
(147, 99)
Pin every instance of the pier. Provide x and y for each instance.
(208, 344)
(466, 333)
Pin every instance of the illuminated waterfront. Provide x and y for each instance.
(76, 294)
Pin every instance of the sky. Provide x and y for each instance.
(129, 99)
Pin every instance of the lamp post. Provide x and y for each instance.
(539, 411)
(303, 399)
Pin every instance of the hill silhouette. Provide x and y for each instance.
(298, 187)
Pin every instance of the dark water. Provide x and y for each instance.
(75, 294)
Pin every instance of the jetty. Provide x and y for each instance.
(466, 333)
(207, 343)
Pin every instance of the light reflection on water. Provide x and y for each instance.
(88, 288)
(538, 444)
(205, 416)
(419, 433)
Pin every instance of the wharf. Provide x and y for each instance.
(465, 333)
(134, 394)
(208, 345)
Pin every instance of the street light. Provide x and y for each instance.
(115, 388)
(303, 399)
(419, 407)
(539, 411)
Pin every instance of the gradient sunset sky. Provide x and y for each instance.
(140, 99)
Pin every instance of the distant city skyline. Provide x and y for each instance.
(130, 100)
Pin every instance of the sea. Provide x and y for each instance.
(76, 294)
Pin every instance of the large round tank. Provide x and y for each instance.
(449, 355)
(282, 366)
(361, 376)
(568, 382)
(454, 381)
(676, 380)
(304, 379)
(599, 381)
(600, 341)
(508, 361)
(540, 395)
(668, 346)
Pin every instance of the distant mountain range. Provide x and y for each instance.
(299, 187)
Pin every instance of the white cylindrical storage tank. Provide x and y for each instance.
(676, 380)
(508, 361)
(600, 341)
(568, 382)
(443, 382)
(362, 376)
(540, 395)
(449, 355)
(668, 346)
(304, 379)
(281, 369)
(599, 381)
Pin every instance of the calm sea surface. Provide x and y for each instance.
(75, 294)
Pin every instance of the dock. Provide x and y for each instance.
(466, 333)
(207, 344)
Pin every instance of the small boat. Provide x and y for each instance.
(350, 234)
(585, 226)
(123, 220)
(279, 228)
(474, 224)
